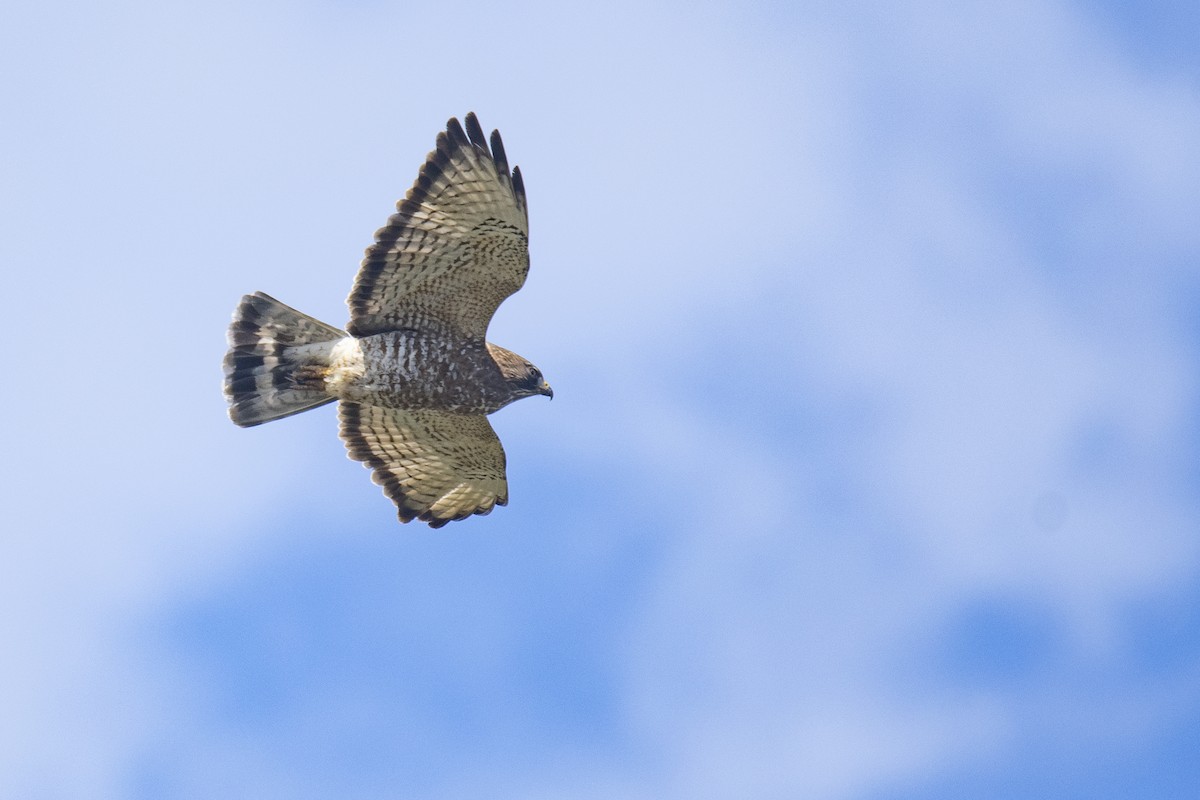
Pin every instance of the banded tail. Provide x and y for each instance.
(268, 342)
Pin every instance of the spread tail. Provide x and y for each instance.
(268, 341)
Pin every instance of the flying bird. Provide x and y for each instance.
(413, 372)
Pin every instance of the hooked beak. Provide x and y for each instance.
(546, 390)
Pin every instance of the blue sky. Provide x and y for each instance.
(872, 468)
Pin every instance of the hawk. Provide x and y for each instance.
(413, 372)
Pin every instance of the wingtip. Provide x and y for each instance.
(498, 154)
(475, 131)
(518, 184)
(455, 131)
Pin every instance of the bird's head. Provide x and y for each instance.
(534, 383)
(525, 379)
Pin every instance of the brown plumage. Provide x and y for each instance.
(413, 370)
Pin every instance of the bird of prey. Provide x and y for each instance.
(413, 371)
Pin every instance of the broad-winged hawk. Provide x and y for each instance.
(413, 370)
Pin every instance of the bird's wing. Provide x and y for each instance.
(436, 466)
(457, 245)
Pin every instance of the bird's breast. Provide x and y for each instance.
(404, 369)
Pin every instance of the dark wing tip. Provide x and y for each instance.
(475, 131)
(498, 154)
(518, 185)
(455, 131)
(442, 150)
(474, 135)
(434, 521)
